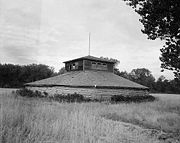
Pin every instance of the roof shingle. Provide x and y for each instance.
(88, 79)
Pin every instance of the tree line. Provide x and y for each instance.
(15, 76)
(144, 77)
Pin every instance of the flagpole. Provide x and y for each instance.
(89, 42)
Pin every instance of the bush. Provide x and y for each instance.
(132, 98)
(28, 93)
(45, 94)
(68, 98)
(24, 92)
(80, 98)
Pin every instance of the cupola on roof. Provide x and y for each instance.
(89, 63)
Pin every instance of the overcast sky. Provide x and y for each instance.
(53, 31)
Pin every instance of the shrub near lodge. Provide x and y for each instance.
(24, 92)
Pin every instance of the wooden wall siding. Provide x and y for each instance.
(98, 66)
(110, 67)
(89, 92)
(89, 66)
(78, 66)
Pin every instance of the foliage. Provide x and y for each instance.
(143, 76)
(68, 98)
(140, 75)
(80, 98)
(62, 71)
(24, 92)
(132, 98)
(161, 19)
(124, 74)
(165, 86)
(111, 59)
(16, 75)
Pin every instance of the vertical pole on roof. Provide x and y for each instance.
(89, 42)
(83, 65)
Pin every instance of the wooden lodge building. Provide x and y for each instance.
(89, 76)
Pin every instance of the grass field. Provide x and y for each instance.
(29, 120)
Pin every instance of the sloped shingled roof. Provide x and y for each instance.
(98, 79)
(91, 58)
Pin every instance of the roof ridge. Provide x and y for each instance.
(89, 57)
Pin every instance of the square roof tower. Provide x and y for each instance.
(89, 63)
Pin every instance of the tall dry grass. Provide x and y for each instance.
(162, 114)
(25, 120)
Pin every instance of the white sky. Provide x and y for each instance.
(53, 31)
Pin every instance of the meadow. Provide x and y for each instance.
(36, 120)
